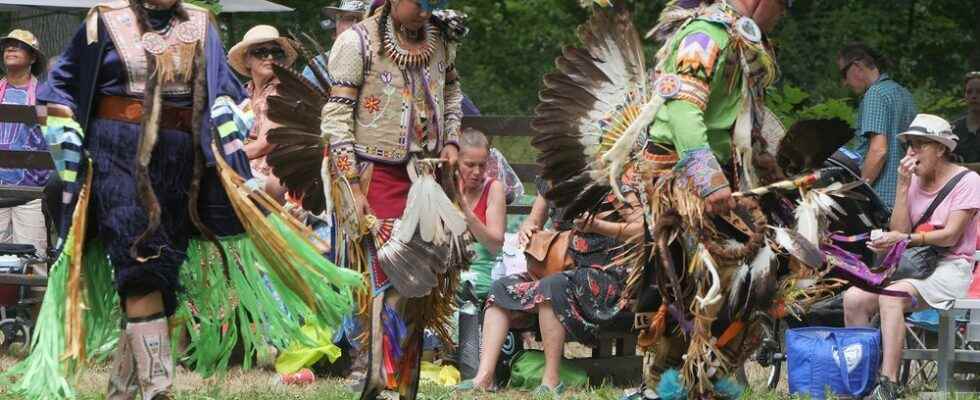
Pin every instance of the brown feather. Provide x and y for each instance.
(590, 82)
(294, 136)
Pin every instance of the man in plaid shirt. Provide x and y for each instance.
(886, 109)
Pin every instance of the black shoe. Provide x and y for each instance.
(886, 390)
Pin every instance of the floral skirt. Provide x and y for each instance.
(584, 298)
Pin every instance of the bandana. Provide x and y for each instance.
(433, 5)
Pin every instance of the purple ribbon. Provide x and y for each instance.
(848, 266)
(895, 254)
(394, 329)
(679, 317)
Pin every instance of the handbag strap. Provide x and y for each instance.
(845, 376)
(940, 197)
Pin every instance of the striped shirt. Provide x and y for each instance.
(887, 108)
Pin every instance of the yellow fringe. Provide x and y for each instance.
(75, 307)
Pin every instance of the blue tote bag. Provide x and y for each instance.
(841, 361)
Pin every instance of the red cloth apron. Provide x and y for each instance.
(388, 191)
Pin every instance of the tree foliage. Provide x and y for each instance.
(930, 45)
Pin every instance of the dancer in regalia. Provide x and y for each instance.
(392, 119)
(711, 270)
(145, 133)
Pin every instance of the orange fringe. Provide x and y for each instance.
(75, 307)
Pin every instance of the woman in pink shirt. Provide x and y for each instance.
(924, 171)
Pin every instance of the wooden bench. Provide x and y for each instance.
(614, 360)
(16, 195)
(953, 351)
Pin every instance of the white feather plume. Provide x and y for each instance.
(621, 152)
(742, 138)
(814, 210)
(714, 291)
(429, 210)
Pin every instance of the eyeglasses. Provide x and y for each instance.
(261, 53)
(846, 68)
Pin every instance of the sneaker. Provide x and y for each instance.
(545, 390)
(468, 386)
(886, 390)
(640, 393)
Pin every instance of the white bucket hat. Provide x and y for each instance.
(928, 126)
(345, 7)
(259, 34)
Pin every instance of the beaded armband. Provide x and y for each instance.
(702, 171)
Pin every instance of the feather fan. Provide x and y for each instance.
(431, 212)
(799, 247)
(409, 264)
(753, 285)
(297, 158)
(585, 122)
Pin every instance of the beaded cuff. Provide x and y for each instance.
(702, 171)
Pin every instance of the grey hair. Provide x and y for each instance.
(472, 138)
(970, 76)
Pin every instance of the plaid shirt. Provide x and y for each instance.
(887, 108)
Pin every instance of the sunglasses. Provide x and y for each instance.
(262, 53)
(16, 45)
(353, 18)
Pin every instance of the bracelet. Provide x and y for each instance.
(909, 237)
(922, 239)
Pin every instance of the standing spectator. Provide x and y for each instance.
(23, 62)
(967, 126)
(339, 19)
(253, 57)
(886, 110)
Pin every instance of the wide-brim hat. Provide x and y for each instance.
(28, 38)
(257, 35)
(928, 126)
(346, 7)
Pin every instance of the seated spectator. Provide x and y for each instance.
(253, 57)
(484, 205)
(576, 301)
(952, 228)
(966, 127)
(23, 63)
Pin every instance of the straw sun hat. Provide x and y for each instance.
(28, 38)
(257, 35)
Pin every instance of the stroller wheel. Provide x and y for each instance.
(14, 336)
